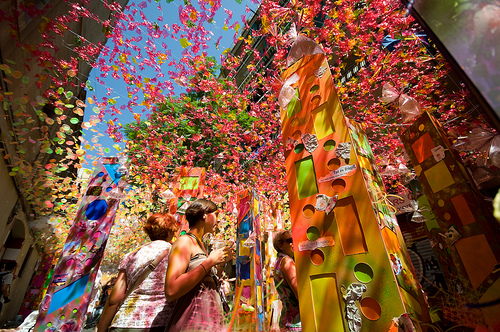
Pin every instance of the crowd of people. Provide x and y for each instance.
(175, 287)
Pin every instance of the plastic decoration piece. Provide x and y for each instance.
(397, 267)
(410, 108)
(481, 140)
(451, 236)
(310, 142)
(389, 93)
(287, 92)
(363, 272)
(326, 203)
(250, 242)
(167, 194)
(403, 323)
(301, 47)
(343, 150)
(352, 294)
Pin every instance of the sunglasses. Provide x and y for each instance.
(290, 240)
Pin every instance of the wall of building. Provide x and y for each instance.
(15, 207)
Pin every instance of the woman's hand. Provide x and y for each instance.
(219, 256)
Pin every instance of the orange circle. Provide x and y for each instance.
(371, 308)
(296, 135)
(308, 211)
(294, 122)
(338, 185)
(333, 164)
(317, 257)
(447, 216)
(310, 79)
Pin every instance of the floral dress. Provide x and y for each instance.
(147, 306)
(290, 316)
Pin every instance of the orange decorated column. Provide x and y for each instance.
(353, 271)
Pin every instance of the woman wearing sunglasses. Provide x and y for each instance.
(190, 279)
(285, 279)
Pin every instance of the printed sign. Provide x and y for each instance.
(338, 173)
(319, 243)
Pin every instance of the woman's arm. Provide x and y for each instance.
(178, 282)
(116, 298)
(288, 269)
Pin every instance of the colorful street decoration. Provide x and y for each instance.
(349, 248)
(38, 285)
(65, 304)
(189, 184)
(248, 311)
(464, 234)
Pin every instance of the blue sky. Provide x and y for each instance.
(117, 88)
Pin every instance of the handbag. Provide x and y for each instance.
(223, 300)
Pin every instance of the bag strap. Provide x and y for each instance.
(147, 270)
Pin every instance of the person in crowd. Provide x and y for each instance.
(145, 309)
(190, 280)
(285, 279)
(6, 277)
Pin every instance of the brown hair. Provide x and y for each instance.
(161, 226)
(197, 210)
(279, 238)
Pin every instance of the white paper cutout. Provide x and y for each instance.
(343, 150)
(310, 142)
(319, 243)
(438, 152)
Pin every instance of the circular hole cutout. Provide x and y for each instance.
(100, 174)
(371, 308)
(299, 148)
(296, 135)
(70, 262)
(97, 234)
(49, 324)
(421, 127)
(317, 257)
(338, 185)
(363, 272)
(63, 317)
(88, 262)
(310, 79)
(441, 203)
(333, 164)
(315, 100)
(108, 189)
(329, 145)
(294, 122)
(314, 88)
(80, 233)
(75, 311)
(312, 233)
(308, 211)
